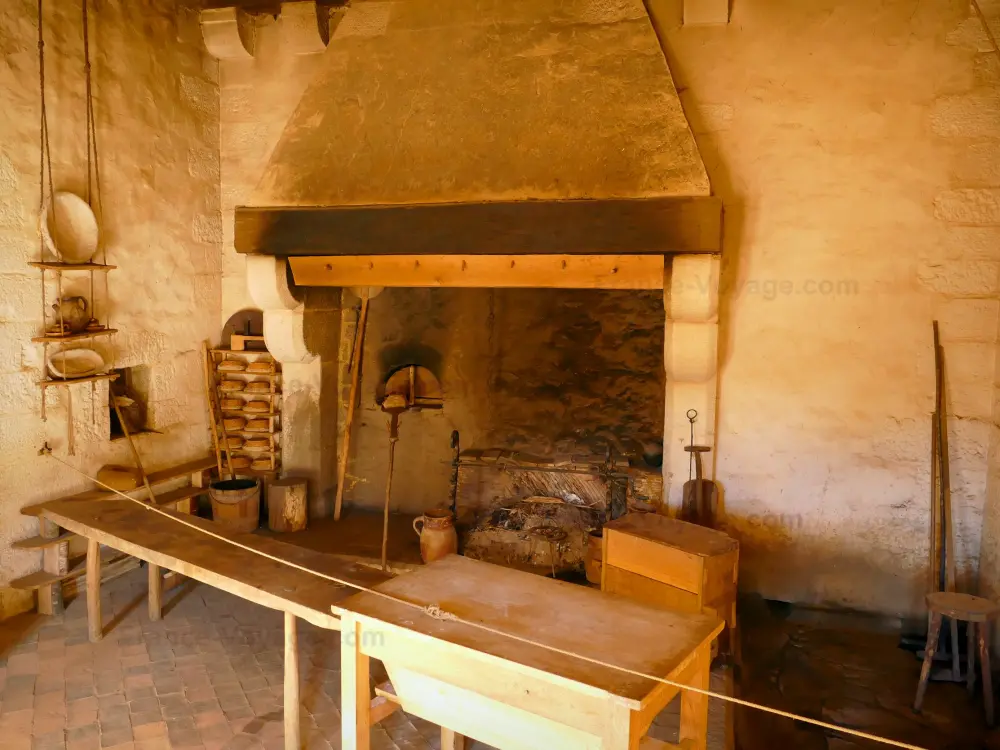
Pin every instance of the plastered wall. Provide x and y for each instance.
(855, 145)
(158, 134)
(257, 97)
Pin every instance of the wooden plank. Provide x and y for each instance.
(74, 381)
(572, 227)
(694, 706)
(95, 623)
(41, 542)
(482, 271)
(638, 587)
(155, 477)
(293, 726)
(694, 539)
(661, 563)
(74, 336)
(451, 740)
(133, 528)
(355, 701)
(517, 689)
(179, 495)
(55, 563)
(155, 586)
(590, 623)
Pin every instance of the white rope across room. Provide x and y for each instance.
(440, 614)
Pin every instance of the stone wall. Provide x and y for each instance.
(542, 371)
(157, 110)
(854, 145)
(258, 95)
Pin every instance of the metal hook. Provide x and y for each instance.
(692, 415)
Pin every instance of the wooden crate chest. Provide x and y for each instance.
(672, 563)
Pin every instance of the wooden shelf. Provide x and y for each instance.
(242, 351)
(261, 414)
(41, 542)
(227, 373)
(74, 381)
(74, 336)
(54, 266)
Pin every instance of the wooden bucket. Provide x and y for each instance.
(236, 503)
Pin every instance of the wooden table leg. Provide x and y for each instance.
(355, 700)
(451, 740)
(155, 592)
(694, 706)
(293, 728)
(984, 659)
(933, 633)
(55, 559)
(94, 620)
(970, 663)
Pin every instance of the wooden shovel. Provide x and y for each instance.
(700, 500)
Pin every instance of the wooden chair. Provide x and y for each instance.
(979, 613)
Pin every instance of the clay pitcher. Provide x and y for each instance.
(72, 311)
(436, 529)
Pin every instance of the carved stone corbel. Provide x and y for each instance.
(305, 26)
(229, 33)
(284, 334)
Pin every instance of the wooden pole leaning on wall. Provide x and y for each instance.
(359, 341)
(215, 409)
(131, 445)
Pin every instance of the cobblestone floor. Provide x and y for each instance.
(847, 670)
(208, 675)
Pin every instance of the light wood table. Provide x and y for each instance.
(517, 696)
(166, 544)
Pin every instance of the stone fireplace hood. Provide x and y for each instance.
(453, 127)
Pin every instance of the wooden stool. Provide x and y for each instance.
(976, 611)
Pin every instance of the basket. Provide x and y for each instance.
(257, 444)
(257, 406)
(231, 404)
(261, 368)
(235, 442)
(240, 462)
(234, 423)
(231, 386)
(231, 365)
(258, 387)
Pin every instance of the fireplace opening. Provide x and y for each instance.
(558, 400)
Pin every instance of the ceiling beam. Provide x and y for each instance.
(482, 271)
(570, 227)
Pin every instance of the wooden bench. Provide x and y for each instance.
(54, 541)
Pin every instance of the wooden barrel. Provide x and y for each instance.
(236, 503)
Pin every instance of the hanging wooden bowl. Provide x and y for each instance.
(258, 425)
(259, 387)
(231, 386)
(257, 406)
(234, 424)
(231, 404)
(261, 368)
(231, 365)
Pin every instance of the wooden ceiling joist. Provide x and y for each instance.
(652, 226)
(482, 271)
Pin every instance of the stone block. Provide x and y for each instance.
(693, 292)
(978, 206)
(972, 278)
(21, 300)
(969, 34)
(706, 12)
(691, 351)
(969, 319)
(973, 115)
(978, 163)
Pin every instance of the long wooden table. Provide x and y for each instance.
(514, 695)
(166, 544)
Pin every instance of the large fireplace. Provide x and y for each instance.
(520, 182)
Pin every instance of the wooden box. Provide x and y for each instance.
(672, 563)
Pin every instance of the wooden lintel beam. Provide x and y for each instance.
(482, 271)
(653, 226)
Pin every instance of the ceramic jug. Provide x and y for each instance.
(72, 311)
(437, 534)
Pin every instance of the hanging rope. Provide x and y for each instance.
(439, 614)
